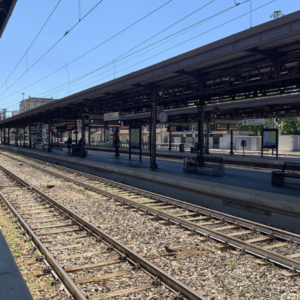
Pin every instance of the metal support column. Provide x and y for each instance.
(8, 138)
(49, 136)
(29, 136)
(24, 138)
(82, 135)
(153, 164)
(207, 137)
(170, 138)
(200, 133)
(4, 135)
(231, 142)
(17, 137)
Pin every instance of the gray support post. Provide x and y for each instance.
(1, 135)
(24, 138)
(153, 164)
(82, 135)
(49, 135)
(29, 136)
(17, 137)
(4, 135)
(170, 138)
(231, 142)
(8, 139)
(207, 137)
(200, 133)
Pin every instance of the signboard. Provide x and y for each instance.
(253, 122)
(210, 131)
(241, 132)
(79, 124)
(70, 127)
(86, 128)
(114, 129)
(111, 116)
(269, 138)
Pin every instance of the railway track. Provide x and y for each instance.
(82, 256)
(267, 243)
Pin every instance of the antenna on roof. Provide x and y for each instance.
(276, 14)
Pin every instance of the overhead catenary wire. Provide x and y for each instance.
(33, 41)
(57, 42)
(227, 22)
(186, 29)
(123, 30)
(180, 31)
(177, 22)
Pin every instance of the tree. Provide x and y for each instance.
(292, 126)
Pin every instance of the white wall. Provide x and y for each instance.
(289, 142)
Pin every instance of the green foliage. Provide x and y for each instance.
(292, 126)
(232, 265)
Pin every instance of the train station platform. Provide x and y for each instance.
(12, 284)
(240, 191)
(251, 158)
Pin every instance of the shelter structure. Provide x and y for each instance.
(238, 72)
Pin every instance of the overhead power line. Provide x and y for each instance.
(198, 35)
(102, 43)
(176, 34)
(57, 42)
(26, 52)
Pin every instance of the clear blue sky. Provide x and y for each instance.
(106, 20)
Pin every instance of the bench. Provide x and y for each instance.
(76, 151)
(289, 169)
(214, 163)
(58, 146)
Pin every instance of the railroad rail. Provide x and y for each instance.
(46, 221)
(224, 228)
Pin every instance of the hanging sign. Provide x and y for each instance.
(111, 116)
(79, 124)
(253, 122)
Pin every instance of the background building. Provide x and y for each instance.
(31, 103)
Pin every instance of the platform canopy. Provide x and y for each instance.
(260, 62)
(6, 9)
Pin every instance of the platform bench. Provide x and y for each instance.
(77, 152)
(214, 163)
(289, 169)
(58, 146)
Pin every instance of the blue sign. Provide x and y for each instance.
(229, 131)
(86, 128)
(210, 131)
(241, 132)
(114, 129)
(184, 131)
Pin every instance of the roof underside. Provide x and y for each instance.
(6, 8)
(260, 62)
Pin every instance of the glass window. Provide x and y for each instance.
(34, 104)
(41, 104)
(27, 103)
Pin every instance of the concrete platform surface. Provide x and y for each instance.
(249, 159)
(12, 284)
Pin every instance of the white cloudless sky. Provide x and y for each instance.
(105, 21)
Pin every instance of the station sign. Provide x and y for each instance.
(253, 122)
(70, 127)
(86, 128)
(111, 116)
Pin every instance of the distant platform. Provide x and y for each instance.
(244, 192)
(12, 284)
